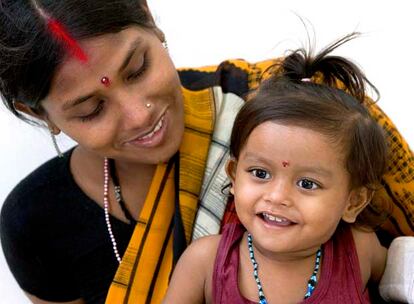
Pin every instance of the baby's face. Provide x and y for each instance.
(291, 188)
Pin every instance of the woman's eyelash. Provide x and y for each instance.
(95, 112)
(141, 70)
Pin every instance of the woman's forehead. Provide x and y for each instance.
(105, 53)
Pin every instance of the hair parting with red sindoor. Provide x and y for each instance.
(37, 35)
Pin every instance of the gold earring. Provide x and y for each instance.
(165, 44)
(55, 144)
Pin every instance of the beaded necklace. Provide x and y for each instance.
(311, 283)
(179, 240)
(106, 211)
(117, 189)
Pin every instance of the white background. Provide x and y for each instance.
(216, 30)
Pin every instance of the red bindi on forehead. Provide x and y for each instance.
(285, 163)
(105, 81)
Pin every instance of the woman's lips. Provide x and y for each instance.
(152, 138)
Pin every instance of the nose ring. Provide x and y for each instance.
(148, 105)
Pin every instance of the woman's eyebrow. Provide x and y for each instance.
(133, 47)
(71, 103)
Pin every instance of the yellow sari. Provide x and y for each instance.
(143, 274)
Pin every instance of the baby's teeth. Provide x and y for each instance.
(273, 218)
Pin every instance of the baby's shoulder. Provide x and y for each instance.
(204, 248)
(200, 255)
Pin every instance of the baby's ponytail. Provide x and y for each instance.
(334, 71)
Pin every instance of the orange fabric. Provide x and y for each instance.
(145, 248)
(143, 275)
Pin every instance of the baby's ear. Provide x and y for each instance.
(358, 200)
(231, 167)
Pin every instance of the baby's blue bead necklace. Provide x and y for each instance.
(311, 283)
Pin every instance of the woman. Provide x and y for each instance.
(149, 140)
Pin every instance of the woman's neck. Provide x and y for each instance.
(91, 165)
(135, 180)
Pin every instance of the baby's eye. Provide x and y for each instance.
(260, 173)
(308, 184)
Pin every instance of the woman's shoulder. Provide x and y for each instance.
(233, 63)
(45, 177)
(236, 76)
(37, 190)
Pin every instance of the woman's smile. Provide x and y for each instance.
(152, 138)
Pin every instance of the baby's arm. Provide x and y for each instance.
(395, 270)
(371, 254)
(192, 275)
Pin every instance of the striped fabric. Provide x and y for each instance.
(143, 275)
(147, 262)
(398, 181)
(212, 97)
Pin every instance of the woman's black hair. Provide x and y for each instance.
(324, 93)
(30, 53)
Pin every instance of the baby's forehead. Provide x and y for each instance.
(276, 140)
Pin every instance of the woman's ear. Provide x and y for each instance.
(39, 115)
(25, 109)
(358, 200)
(231, 167)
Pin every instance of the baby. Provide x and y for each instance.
(306, 158)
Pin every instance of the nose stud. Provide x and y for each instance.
(148, 105)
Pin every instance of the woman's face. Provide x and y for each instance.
(136, 115)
